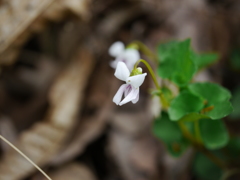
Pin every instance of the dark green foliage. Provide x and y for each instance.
(170, 133)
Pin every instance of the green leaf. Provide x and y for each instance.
(203, 60)
(215, 96)
(166, 130)
(206, 169)
(184, 104)
(170, 134)
(214, 133)
(176, 62)
(236, 104)
(213, 93)
(220, 110)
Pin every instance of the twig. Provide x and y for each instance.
(16, 149)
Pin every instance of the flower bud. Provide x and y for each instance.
(136, 71)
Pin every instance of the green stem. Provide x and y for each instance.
(186, 133)
(200, 147)
(165, 103)
(142, 47)
(150, 70)
(197, 131)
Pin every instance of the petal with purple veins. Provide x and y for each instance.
(118, 96)
(134, 101)
(127, 90)
(131, 96)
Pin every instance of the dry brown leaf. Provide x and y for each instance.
(73, 171)
(18, 19)
(43, 141)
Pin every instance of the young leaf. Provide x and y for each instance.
(183, 104)
(203, 60)
(214, 133)
(205, 169)
(215, 96)
(176, 62)
(170, 134)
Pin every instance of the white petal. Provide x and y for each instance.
(122, 71)
(136, 80)
(116, 49)
(131, 96)
(130, 65)
(131, 55)
(134, 101)
(118, 96)
(114, 63)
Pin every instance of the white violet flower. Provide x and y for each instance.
(130, 90)
(128, 56)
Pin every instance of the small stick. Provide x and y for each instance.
(16, 149)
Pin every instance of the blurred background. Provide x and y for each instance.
(56, 85)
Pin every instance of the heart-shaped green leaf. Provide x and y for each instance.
(213, 93)
(215, 96)
(176, 62)
(203, 60)
(170, 133)
(220, 110)
(183, 104)
(214, 133)
(166, 130)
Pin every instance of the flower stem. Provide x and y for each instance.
(142, 47)
(16, 149)
(150, 70)
(199, 146)
(164, 102)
